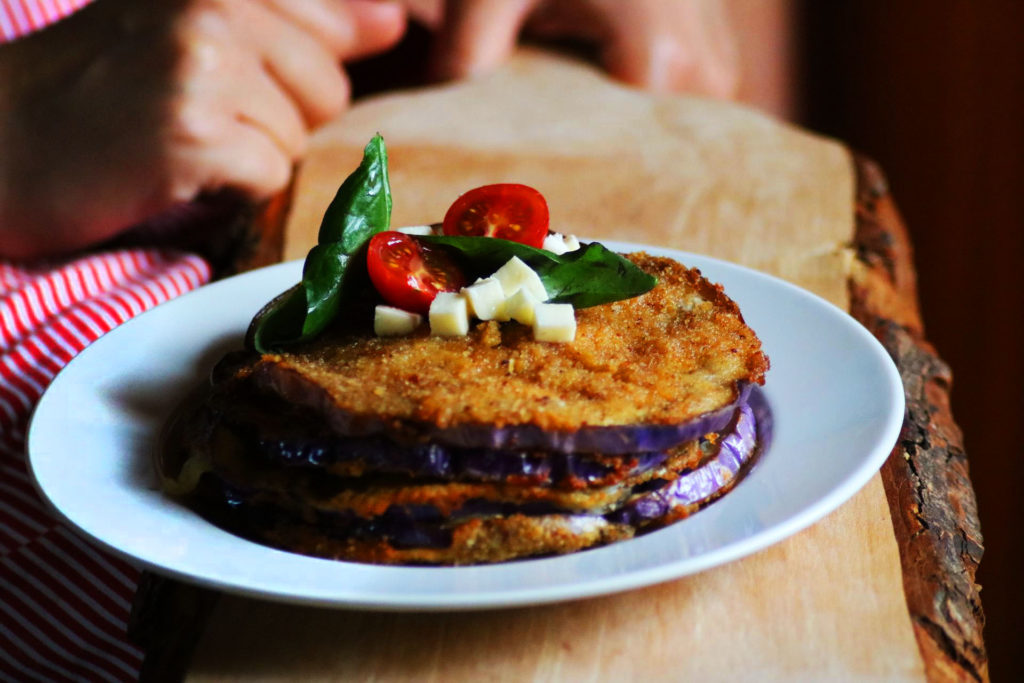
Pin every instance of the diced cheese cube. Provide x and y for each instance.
(416, 230)
(486, 299)
(389, 321)
(554, 323)
(515, 274)
(449, 315)
(519, 306)
(555, 243)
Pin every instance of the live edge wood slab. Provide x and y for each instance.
(931, 516)
(931, 500)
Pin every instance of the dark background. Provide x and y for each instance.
(935, 93)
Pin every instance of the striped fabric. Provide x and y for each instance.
(20, 17)
(63, 603)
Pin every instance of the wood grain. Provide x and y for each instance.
(933, 506)
(792, 611)
(935, 520)
(613, 162)
(827, 603)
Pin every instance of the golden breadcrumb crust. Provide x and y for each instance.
(291, 487)
(475, 541)
(665, 357)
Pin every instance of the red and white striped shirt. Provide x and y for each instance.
(64, 603)
(21, 17)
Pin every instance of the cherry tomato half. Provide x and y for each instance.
(507, 210)
(409, 273)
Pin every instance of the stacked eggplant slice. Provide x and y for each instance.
(483, 448)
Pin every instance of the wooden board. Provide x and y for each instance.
(613, 162)
(935, 514)
(825, 604)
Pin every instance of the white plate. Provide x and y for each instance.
(836, 397)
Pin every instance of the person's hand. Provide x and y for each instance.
(127, 108)
(662, 45)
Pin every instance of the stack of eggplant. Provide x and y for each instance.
(486, 448)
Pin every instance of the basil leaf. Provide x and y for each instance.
(484, 255)
(589, 276)
(323, 274)
(360, 209)
(279, 321)
(593, 275)
(362, 205)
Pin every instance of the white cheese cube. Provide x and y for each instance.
(555, 243)
(416, 230)
(519, 306)
(486, 299)
(449, 315)
(554, 323)
(389, 321)
(517, 275)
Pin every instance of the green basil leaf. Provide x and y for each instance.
(360, 209)
(594, 275)
(362, 205)
(279, 321)
(589, 276)
(484, 255)
(323, 274)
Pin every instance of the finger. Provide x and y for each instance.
(427, 13)
(350, 29)
(378, 26)
(654, 62)
(684, 46)
(261, 102)
(309, 72)
(224, 79)
(477, 35)
(246, 159)
(723, 74)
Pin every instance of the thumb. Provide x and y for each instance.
(477, 35)
(686, 46)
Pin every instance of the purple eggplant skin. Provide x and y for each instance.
(281, 435)
(277, 437)
(235, 510)
(438, 461)
(606, 440)
(612, 440)
(410, 526)
(745, 436)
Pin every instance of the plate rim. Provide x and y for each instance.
(513, 597)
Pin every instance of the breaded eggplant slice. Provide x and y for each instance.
(274, 433)
(639, 367)
(370, 496)
(476, 541)
(419, 534)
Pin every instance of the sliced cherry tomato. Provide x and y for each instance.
(409, 273)
(507, 210)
